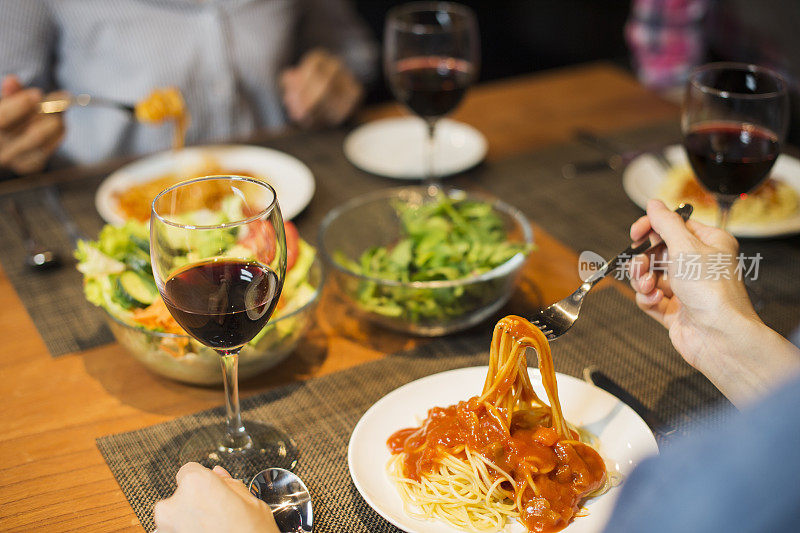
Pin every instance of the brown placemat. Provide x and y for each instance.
(588, 213)
(592, 212)
(54, 299)
(320, 413)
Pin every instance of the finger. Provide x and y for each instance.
(640, 265)
(164, 515)
(671, 227)
(39, 133)
(36, 159)
(10, 85)
(714, 237)
(651, 298)
(18, 107)
(345, 95)
(654, 305)
(314, 85)
(646, 284)
(289, 79)
(239, 488)
(188, 470)
(221, 472)
(640, 228)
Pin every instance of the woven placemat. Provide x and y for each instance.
(588, 213)
(592, 212)
(320, 414)
(54, 299)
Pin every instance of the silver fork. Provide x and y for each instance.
(59, 105)
(555, 320)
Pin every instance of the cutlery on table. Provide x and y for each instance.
(37, 257)
(617, 156)
(53, 201)
(59, 105)
(556, 319)
(599, 379)
(287, 497)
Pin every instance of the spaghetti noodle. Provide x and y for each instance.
(504, 455)
(165, 104)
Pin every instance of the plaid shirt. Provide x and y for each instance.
(666, 39)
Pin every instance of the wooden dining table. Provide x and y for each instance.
(52, 410)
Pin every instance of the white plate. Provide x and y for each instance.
(394, 147)
(625, 439)
(291, 179)
(643, 178)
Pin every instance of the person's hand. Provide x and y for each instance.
(320, 90)
(27, 138)
(698, 295)
(211, 501)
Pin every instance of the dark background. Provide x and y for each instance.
(529, 35)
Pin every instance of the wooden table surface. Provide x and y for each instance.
(54, 478)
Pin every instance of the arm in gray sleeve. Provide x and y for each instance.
(27, 35)
(335, 26)
(740, 478)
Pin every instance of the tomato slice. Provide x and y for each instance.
(292, 243)
(261, 232)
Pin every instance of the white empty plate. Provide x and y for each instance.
(624, 439)
(395, 147)
(291, 179)
(644, 177)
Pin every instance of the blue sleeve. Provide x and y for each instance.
(27, 36)
(743, 478)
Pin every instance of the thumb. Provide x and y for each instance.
(671, 227)
(10, 85)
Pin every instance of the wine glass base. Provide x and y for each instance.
(268, 447)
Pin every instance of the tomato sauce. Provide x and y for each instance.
(563, 472)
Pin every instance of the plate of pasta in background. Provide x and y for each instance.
(771, 210)
(127, 193)
(500, 448)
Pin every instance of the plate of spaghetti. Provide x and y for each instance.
(772, 210)
(127, 193)
(497, 448)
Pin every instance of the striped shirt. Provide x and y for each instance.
(226, 57)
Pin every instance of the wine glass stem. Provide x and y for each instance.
(236, 436)
(431, 183)
(725, 205)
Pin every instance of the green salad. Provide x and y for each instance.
(118, 276)
(443, 240)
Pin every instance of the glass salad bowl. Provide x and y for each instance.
(182, 358)
(469, 252)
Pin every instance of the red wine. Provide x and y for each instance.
(222, 303)
(731, 159)
(431, 86)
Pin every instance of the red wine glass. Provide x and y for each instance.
(218, 252)
(431, 56)
(734, 123)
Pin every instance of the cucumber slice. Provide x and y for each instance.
(138, 261)
(136, 289)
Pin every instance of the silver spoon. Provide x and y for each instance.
(36, 256)
(287, 497)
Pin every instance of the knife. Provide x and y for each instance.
(599, 379)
